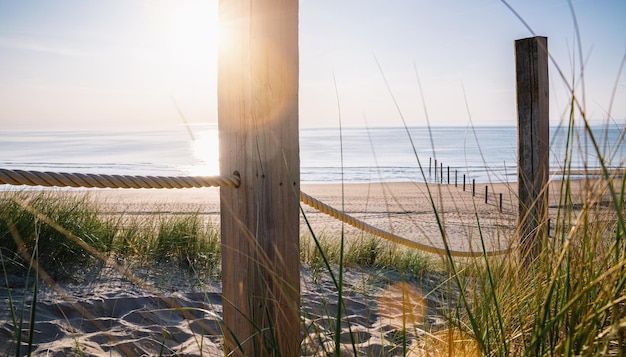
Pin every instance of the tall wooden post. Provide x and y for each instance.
(531, 59)
(258, 131)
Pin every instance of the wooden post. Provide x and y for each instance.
(549, 226)
(448, 175)
(486, 193)
(500, 203)
(430, 161)
(456, 176)
(435, 170)
(531, 60)
(473, 187)
(463, 182)
(441, 172)
(258, 134)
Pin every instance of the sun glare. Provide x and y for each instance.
(206, 150)
(186, 34)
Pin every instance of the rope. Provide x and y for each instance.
(63, 179)
(354, 222)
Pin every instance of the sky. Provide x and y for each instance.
(128, 64)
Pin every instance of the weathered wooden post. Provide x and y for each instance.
(533, 130)
(258, 132)
(441, 172)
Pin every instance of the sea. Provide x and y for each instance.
(327, 155)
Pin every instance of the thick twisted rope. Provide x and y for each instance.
(63, 179)
(354, 222)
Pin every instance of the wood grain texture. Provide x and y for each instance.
(258, 131)
(531, 59)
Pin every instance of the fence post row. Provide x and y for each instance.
(258, 135)
(531, 63)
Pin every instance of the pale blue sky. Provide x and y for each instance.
(76, 64)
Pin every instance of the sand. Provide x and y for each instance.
(401, 208)
(404, 209)
(106, 314)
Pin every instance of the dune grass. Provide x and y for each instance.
(368, 251)
(570, 299)
(187, 241)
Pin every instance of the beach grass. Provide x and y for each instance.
(570, 298)
(21, 231)
(185, 240)
(366, 251)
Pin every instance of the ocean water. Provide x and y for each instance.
(369, 154)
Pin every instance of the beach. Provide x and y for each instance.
(171, 314)
(406, 209)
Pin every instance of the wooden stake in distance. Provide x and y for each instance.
(258, 133)
(531, 59)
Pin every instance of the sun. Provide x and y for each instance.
(185, 34)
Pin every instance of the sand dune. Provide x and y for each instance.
(107, 315)
(110, 316)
